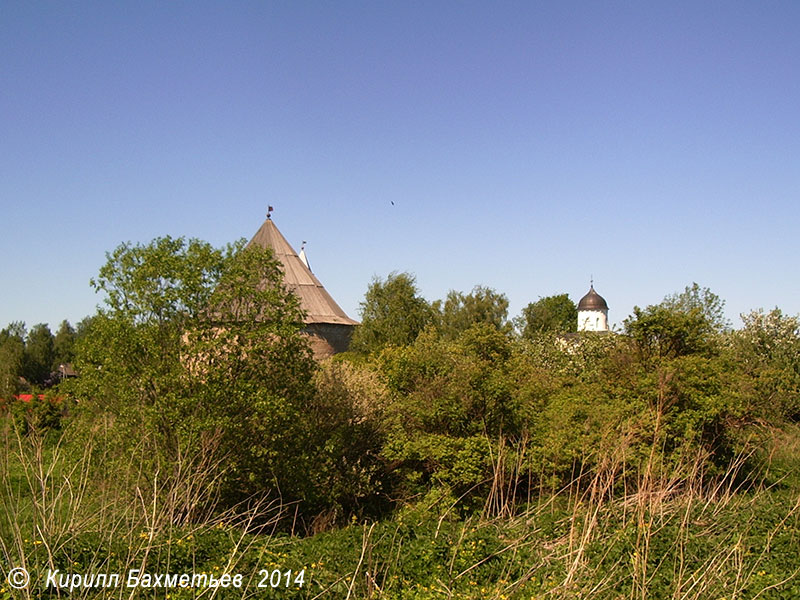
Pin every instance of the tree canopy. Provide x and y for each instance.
(12, 354)
(196, 366)
(767, 348)
(706, 302)
(39, 354)
(680, 325)
(482, 305)
(63, 345)
(551, 314)
(392, 313)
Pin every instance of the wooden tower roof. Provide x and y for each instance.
(320, 307)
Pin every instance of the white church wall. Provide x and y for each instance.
(592, 320)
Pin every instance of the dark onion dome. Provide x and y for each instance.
(592, 301)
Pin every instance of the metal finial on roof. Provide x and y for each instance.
(591, 281)
(269, 212)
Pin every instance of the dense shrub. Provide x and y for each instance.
(485, 410)
(347, 433)
(39, 413)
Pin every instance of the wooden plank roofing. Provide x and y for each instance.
(320, 307)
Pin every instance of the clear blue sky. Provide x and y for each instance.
(525, 145)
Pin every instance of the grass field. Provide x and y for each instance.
(721, 540)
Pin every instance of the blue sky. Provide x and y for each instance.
(526, 146)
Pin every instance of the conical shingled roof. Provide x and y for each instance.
(320, 307)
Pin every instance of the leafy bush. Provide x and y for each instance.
(345, 429)
(40, 413)
(767, 351)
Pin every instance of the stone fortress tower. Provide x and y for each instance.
(592, 312)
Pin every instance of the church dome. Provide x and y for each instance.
(592, 301)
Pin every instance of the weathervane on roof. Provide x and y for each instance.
(269, 212)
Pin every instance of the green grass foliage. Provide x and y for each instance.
(715, 539)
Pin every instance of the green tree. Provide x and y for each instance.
(556, 314)
(392, 313)
(482, 305)
(39, 354)
(711, 306)
(686, 323)
(677, 376)
(12, 353)
(83, 327)
(199, 362)
(63, 345)
(130, 351)
(662, 332)
(767, 350)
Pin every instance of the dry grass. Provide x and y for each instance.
(674, 534)
(58, 509)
